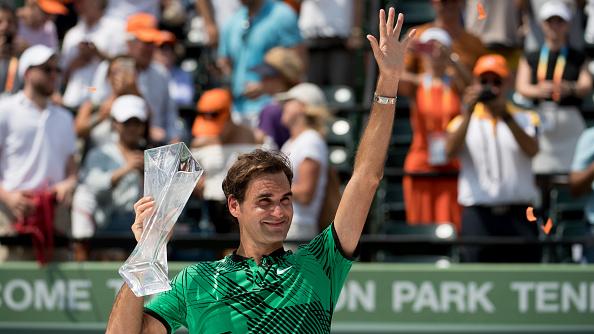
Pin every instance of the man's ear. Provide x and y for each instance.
(233, 205)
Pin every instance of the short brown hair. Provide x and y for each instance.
(251, 165)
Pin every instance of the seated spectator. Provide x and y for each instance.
(92, 122)
(152, 79)
(94, 38)
(111, 176)
(556, 78)
(581, 180)
(217, 142)
(37, 146)
(495, 144)
(305, 114)
(181, 84)
(9, 80)
(36, 25)
(282, 69)
(431, 199)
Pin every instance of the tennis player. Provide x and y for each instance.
(262, 288)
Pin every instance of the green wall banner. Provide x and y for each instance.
(376, 297)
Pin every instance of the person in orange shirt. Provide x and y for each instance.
(437, 100)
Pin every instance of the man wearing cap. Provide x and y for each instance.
(152, 78)
(111, 177)
(495, 144)
(94, 38)
(37, 140)
(36, 25)
(282, 69)
(257, 27)
(262, 288)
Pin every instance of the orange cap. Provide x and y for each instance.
(216, 102)
(143, 26)
(166, 37)
(52, 7)
(491, 63)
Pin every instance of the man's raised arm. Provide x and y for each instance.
(369, 162)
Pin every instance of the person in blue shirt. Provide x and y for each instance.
(258, 26)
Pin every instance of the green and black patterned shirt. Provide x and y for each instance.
(287, 293)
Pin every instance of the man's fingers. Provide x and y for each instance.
(390, 23)
(398, 27)
(382, 24)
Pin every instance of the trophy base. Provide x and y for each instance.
(145, 278)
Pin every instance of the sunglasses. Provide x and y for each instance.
(47, 69)
(209, 115)
(492, 82)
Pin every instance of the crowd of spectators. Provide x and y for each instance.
(495, 90)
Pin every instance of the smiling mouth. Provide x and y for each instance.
(274, 223)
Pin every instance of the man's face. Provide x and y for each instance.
(44, 77)
(8, 24)
(142, 52)
(267, 210)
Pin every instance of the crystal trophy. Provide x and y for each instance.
(170, 175)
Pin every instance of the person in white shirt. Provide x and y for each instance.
(36, 25)
(111, 177)
(122, 9)
(305, 114)
(495, 145)
(94, 38)
(37, 141)
(152, 78)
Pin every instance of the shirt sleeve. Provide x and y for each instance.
(169, 307)
(584, 151)
(328, 252)
(289, 32)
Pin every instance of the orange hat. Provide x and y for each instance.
(52, 7)
(491, 63)
(166, 37)
(143, 26)
(214, 110)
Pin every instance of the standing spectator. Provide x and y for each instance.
(36, 25)
(332, 31)
(256, 28)
(535, 35)
(111, 177)
(557, 78)
(432, 199)
(581, 180)
(498, 27)
(9, 80)
(305, 114)
(217, 143)
(152, 78)
(123, 9)
(94, 38)
(37, 145)
(282, 69)
(181, 85)
(465, 50)
(92, 121)
(495, 144)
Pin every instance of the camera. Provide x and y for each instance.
(486, 94)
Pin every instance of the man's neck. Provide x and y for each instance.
(555, 44)
(256, 251)
(38, 99)
(254, 7)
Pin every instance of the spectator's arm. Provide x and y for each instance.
(528, 144)
(308, 174)
(580, 181)
(65, 189)
(525, 87)
(205, 9)
(583, 86)
(369, 162)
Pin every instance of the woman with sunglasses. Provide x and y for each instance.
(557, 79)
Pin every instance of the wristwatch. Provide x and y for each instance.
(383, 99)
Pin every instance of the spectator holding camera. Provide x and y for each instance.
(431, 199)
(495, 144)
(556, 78)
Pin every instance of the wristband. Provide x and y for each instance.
(383, 99)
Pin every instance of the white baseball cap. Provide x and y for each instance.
(436, 34)
(34, 56)
(126, 107)
(307, 93)
(554, 8)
